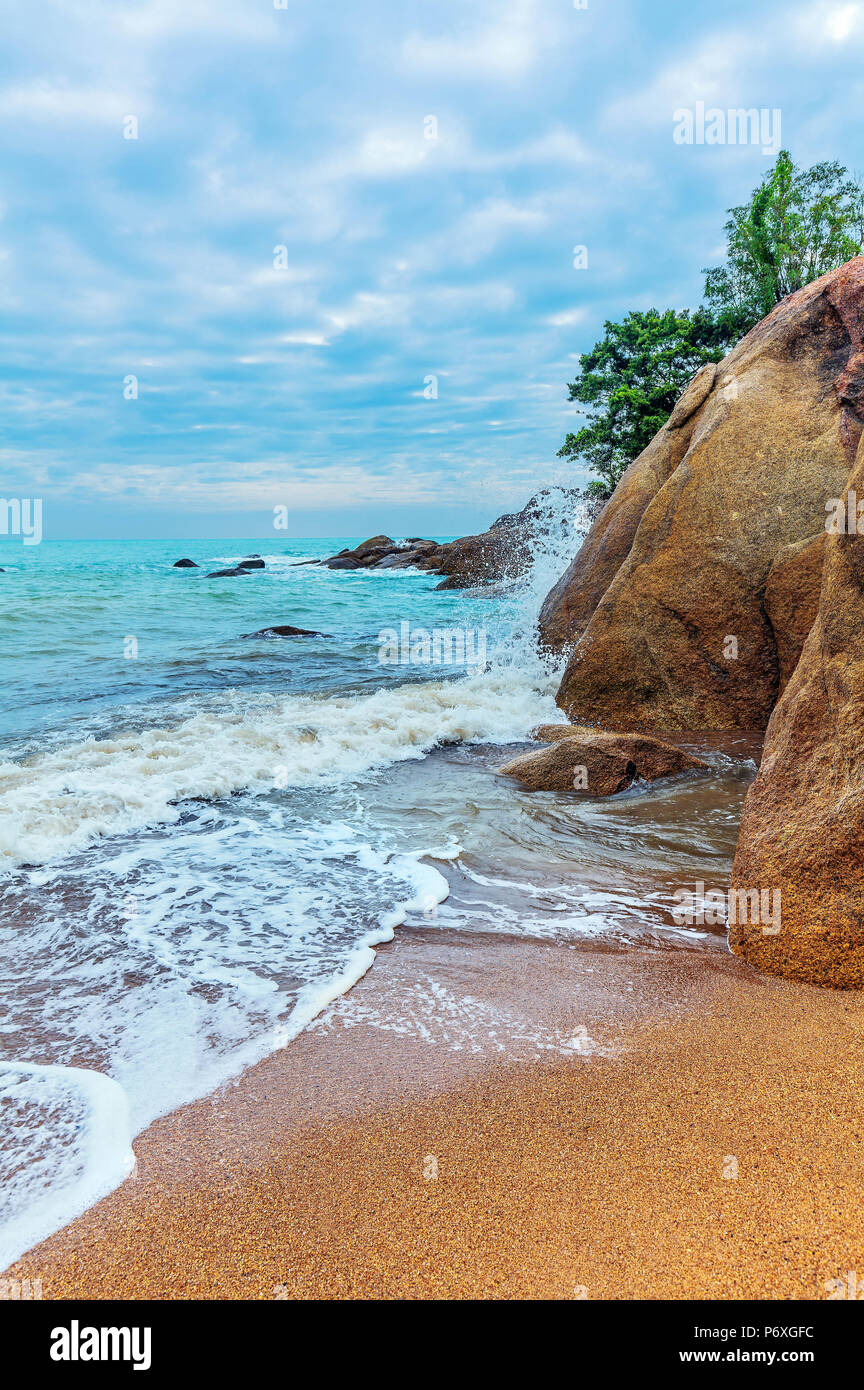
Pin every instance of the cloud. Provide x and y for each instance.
(43, 100)
(405, 256)
(507, 44)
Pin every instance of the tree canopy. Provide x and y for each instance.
(630, 380)
(798, 224)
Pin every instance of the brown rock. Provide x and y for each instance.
(569, 606)
(504, 551)
(550, 733)
(679, 559)
(596, 764)
(379, 543)
(455, 581)
(792, 598)
(802, 830)
(283, 630)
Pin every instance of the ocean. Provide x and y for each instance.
(205, 835)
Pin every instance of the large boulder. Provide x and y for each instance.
(665, 603)
(802, 830)
(792, 598)
(569, 606)
(595, 763)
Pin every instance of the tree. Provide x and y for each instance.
(633, 377)
(798, 224)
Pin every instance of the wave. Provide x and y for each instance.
(236, 938)
(61, 801)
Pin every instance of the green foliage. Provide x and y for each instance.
(632, 378)
(798, 224)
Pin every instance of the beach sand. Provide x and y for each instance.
(486, 1117)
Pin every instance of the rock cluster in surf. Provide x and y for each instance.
(504, 551)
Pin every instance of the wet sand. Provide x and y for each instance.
(500, 1118)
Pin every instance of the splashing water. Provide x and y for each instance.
(203, 847)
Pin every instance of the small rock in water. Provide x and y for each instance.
(185, 565)
(227, 574)
(594, 763)
(284, 630)
(253, 563)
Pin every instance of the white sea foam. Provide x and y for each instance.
(434, 1012)
(67, 1142)
(185, 959)
(63, 800)
(168, 962)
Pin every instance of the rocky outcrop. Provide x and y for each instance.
(572, 602)
(802, 830)
(503, 552)
(666, 602)
(594, 763)
(185, 565)
(343, 562)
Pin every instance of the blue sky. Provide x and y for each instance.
(405, 257)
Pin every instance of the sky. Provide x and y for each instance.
(334, 272)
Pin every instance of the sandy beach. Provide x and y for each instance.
(571, 1122)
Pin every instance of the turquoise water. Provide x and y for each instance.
(68, 607)
(196, 846)
(202, 843)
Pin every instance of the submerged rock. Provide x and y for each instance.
(665, 602)
(227, 574)
(594, 763)
(283, 630)
(802, 829)
(185, 565)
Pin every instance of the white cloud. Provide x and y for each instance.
(831, 24)
(253, 484)
(508, 44)
(47, 101)
(744, 66)
(160, 19)
(568, 318)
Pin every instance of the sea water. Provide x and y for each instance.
(204, 835)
